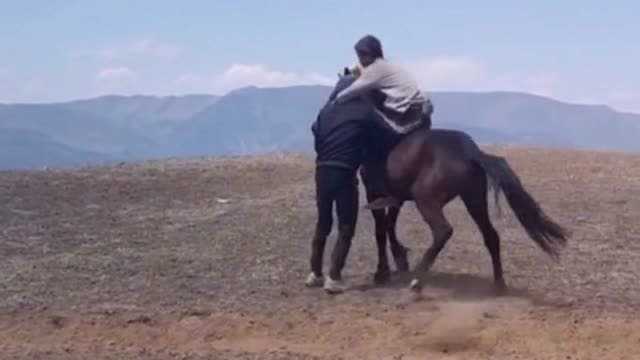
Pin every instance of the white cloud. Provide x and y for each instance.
(240, 75)
(116, 74)
(123, 79)
(442, 73)
(457, 73)
(136, 50)
(448, 72)
(146, 66)
(116, 80)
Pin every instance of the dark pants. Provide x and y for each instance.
(340, 186)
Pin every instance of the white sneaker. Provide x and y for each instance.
(314, 281)
(334, 286)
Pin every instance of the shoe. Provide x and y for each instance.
(314, 281)
(334, 287)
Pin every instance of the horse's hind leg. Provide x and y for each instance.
(442, 231)
(383, 273)
(398, 250)
(475, 199)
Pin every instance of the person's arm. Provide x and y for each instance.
(316, 135)
(367, 81)
(314, 126)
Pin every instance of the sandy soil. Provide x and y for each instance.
(205, 258)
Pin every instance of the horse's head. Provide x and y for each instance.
(376, 98)
(344, 81)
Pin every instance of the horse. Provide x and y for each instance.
(433, 167)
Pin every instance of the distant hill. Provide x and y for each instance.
(527, 119)
(154, 116)
(257, 120)
(27, 149)
(77, 129)
(253, 120)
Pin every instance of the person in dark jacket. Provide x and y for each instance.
(340, 133)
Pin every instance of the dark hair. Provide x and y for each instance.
(369, 45)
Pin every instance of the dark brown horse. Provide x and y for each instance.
(433, 167)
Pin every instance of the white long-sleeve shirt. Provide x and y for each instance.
(397, 84)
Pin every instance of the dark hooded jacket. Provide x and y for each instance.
(341, 130)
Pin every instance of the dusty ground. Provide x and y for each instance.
(204, 259)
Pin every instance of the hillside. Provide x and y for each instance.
(76, 129)
(26, 149)
(259, 120)
(533, 120)
(253, 121)
(154, 116)
(205, 259)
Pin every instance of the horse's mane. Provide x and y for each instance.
(344, 81)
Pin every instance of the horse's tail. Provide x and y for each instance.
(543, 230)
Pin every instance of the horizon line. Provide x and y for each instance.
(175, 95)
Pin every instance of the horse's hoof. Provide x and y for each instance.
(501, 289)
(402, 260)
(382, 277)
(415, 285)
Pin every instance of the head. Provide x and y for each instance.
(368, 49)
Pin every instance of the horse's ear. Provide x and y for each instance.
(347, 71)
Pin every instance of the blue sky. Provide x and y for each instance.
(579, 51)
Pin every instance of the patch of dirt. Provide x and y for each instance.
(504, 328)
(146, 261)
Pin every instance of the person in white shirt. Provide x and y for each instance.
(399, 100)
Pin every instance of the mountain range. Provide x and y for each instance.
(256, 120)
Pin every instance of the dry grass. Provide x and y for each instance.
(204, 258)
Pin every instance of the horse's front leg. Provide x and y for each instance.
(372, 175)
(383, 273)
(399, 251)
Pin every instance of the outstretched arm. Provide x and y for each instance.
(367, 81)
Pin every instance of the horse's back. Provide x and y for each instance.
(420, 152)
(451, 142)
(432, 152)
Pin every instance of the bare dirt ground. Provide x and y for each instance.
(205, 259)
